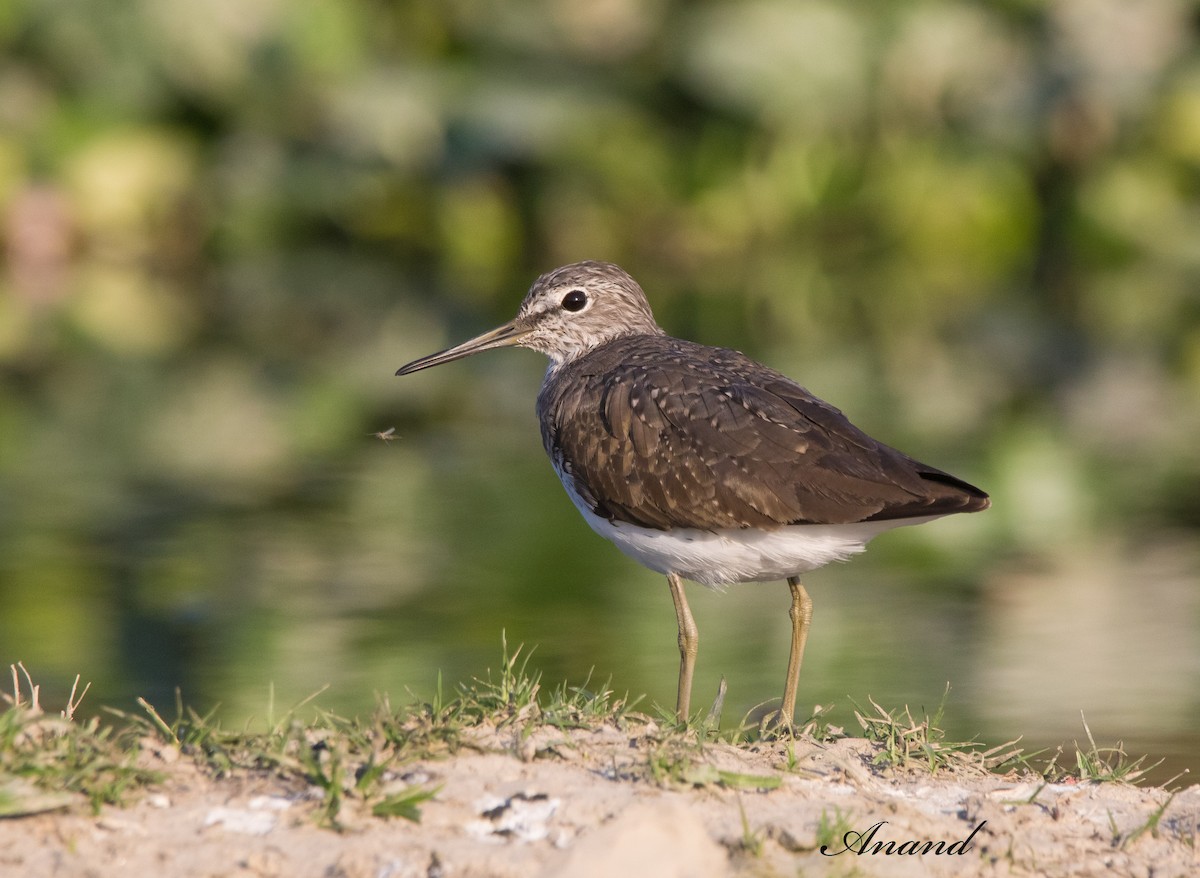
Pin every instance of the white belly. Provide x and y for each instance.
(717, 558)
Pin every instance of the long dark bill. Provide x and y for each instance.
(504, 336)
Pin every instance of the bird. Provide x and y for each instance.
(699, 462)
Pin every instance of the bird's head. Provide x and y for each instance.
(567, 312)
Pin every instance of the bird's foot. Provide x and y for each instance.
(777, 726)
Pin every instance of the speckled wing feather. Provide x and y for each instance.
(666, 433)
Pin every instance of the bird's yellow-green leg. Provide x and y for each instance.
(801, 616)
(689, 642)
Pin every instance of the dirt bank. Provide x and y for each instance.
(620, 799)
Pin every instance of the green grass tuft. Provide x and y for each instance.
(905, 741)
(1099, 764)
(44, 753)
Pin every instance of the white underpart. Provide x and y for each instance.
(721, 557)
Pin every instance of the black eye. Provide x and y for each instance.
(575, 300)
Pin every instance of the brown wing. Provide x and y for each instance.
(665, 433)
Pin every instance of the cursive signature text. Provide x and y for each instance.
(860, 843)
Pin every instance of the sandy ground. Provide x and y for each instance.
(584, 803)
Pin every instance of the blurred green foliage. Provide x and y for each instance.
(224, 224)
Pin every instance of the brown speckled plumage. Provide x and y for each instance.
(665, 433)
